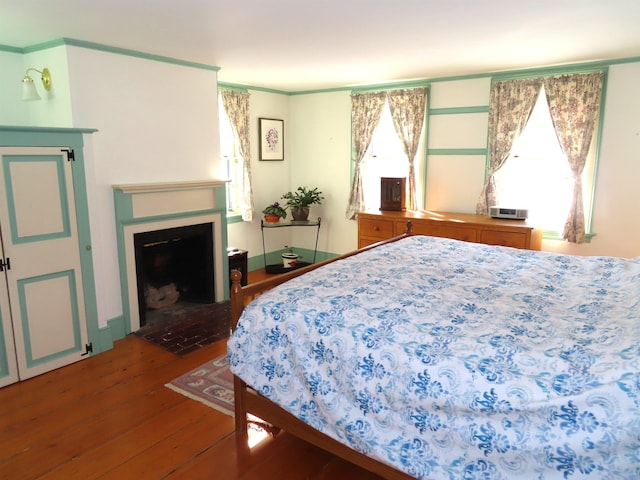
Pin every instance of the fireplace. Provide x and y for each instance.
(174, 265)
(189, 214)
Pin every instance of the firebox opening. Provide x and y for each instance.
(174, 265)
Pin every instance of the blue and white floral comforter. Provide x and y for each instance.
(452, 360)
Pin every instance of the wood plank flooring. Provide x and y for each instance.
(111, 417)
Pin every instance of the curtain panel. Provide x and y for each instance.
(366, 110)
(510, 107)
(236, 104)
(574, 103)
(408, 109)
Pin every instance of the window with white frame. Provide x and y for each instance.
(385, 157)
(536, 160)
(231, 161)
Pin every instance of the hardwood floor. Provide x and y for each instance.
(111, 417)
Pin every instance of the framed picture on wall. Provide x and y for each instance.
(271, 134)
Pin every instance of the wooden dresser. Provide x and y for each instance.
(374, 226)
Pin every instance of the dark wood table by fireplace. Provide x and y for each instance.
(238, 261)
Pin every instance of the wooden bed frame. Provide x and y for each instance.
(248, 401)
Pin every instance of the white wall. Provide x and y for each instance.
(156, 122)
(615, 216)
(54, 109)
(12, 110)
(322, 123)
(270, 179)
(322, 128)
(317, 130)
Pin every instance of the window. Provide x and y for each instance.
(231, 162)
(537, 175)
(385, 157)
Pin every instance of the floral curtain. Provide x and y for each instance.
(510, 106)
(408, 111)
(574, 103)
(366, 110)
(236, 104)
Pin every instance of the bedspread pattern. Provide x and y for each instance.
(448, 359)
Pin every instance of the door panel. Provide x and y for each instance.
(8, 362)
(44, 282)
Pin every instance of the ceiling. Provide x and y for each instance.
(298, 45)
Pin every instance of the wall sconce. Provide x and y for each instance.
(29, 91)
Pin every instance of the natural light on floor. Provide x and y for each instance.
(255, 431)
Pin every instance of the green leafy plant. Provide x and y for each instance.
(303, 197)
(275, 209)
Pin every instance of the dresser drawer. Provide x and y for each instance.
(375, 228)
(446, 230)
(507, 239)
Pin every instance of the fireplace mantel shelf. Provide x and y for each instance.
(164, 186)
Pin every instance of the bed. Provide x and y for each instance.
(432, 358)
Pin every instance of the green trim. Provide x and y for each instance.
(566, 70)
(457, 151)
(538, 71)
(234, 218)
(21, 136)
(117, 328)
(245, 88)
(124, 216)
(63, 202)
(5, 371)
(596, 160)
(7, 48)
(459, 110)
(228, 86)
(116, 50)
(554, 235)
(58, 42)
(559, 69)
(391, 86)
(549, 71)
(24, 320)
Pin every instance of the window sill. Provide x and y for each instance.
(555, 235)
(233, 217)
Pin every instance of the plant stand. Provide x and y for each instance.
(279, 267)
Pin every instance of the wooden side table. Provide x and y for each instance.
(238, 261)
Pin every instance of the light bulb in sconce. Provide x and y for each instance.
(29, 91)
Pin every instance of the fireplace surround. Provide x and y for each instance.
(174, 265)
(142, 209)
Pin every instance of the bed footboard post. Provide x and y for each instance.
(237, 303)
(240, 409)
(239, 387)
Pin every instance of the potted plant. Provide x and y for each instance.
(300, 200)
(274, 212)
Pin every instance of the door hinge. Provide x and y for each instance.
(71, 156)
(5, 263)
(88, 348)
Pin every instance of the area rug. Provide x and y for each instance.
(210, 384)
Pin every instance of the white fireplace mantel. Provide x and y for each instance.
(167, 186)
(145, 207)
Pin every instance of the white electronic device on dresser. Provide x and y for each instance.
(513, 213)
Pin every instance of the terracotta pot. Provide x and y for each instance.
(300, 214)
(271, 218)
